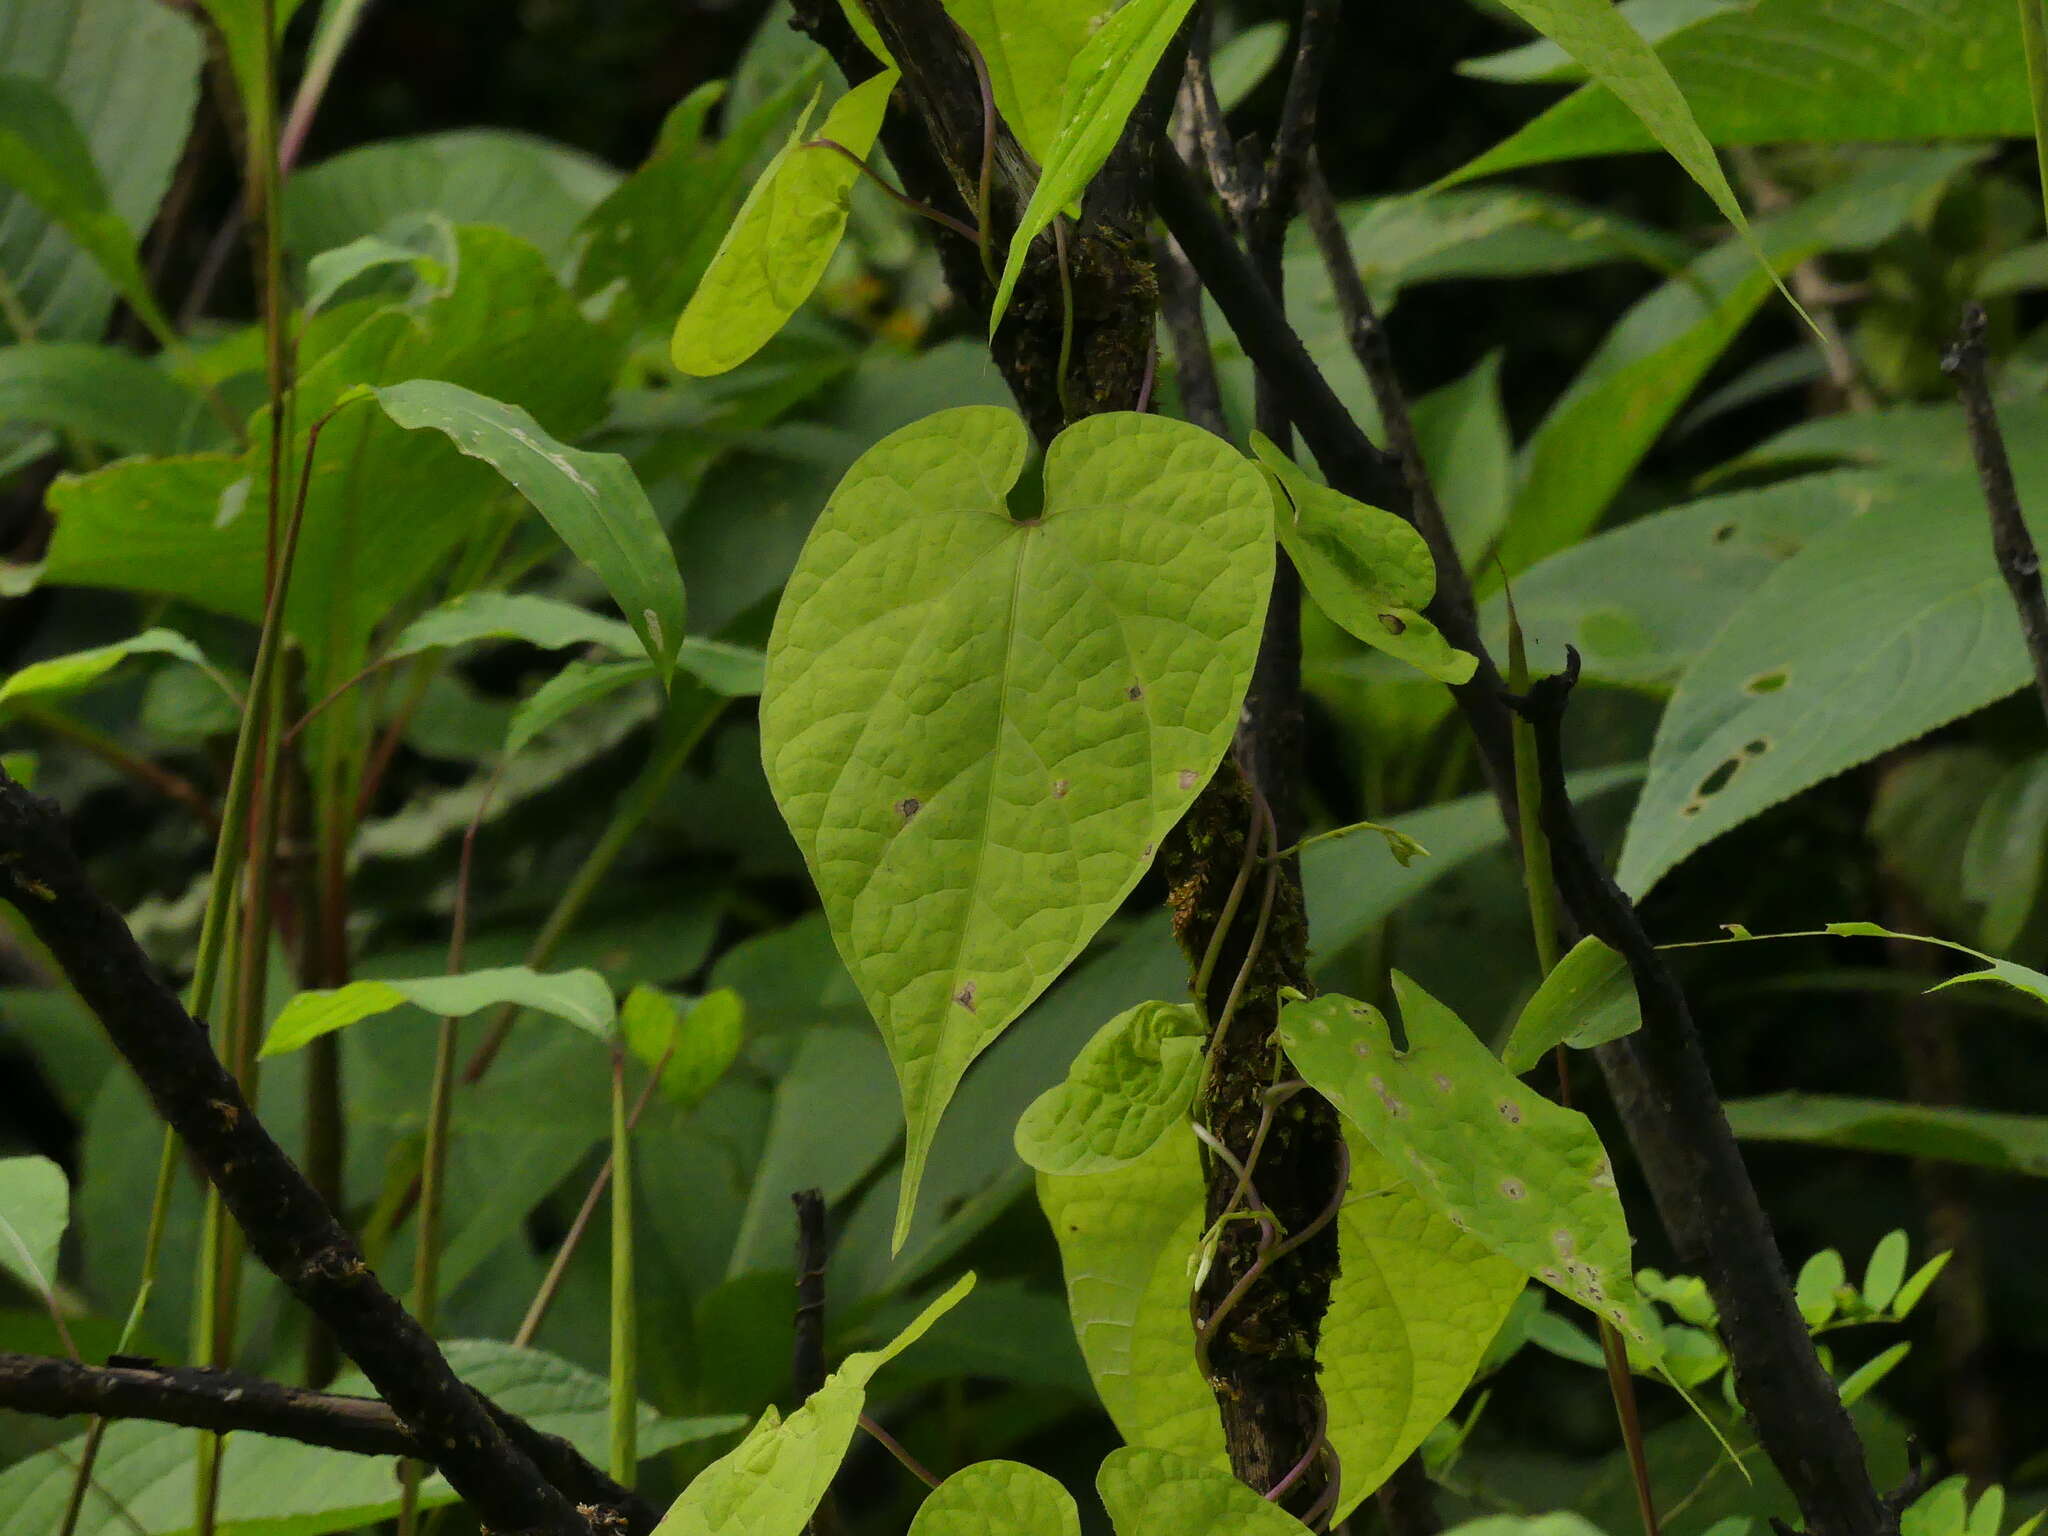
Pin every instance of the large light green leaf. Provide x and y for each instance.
(1028, 46)
(1102, 88)
(1155, 1493)
(2009, 1143)
(1525, 1176)
(582, 997)
(979, 728)
(593, 500)
(62, 676)
(1123, 1092)
(143, 1478)
(128, 71)
(1879, 71)
(1588, 998)
(1600, 428)
(1881, 629)
(104, 395)
(1414, 1306)
(35, 1207)
(536, 190)
(782, 238)
(770, 1483)
(1366, 568)
(45, 157)
(998, 1498)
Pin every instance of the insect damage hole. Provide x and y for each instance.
(908, 807)
(1766, 682)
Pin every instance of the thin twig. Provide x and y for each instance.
(2018, 561)
(923, 211)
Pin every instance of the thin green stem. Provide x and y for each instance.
(922, 210)
(2034, 42)
(625, 1386)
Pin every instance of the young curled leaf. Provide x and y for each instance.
(1125, 1090)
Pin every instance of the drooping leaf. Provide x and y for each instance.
(1028, 46)
(61, 676)
(998, 1498)
(1124, 1091)
(105, 395)
(1877, 71)
(1366, 568)
(772, 1481)
(578, 684)
(1879, 630)
(1525, 1176)
(2009, 1143)
(697, 1047)
(546, 622)
(990, 723)
(593, 500)
(581, 997)
(783, 237)
(1102, 88)
(1588, 998)
(1629, 391)
(1156, 1493)
(35, 1208)
(1414, 1306)
(128, 72)
(143, 1479)
(1542, 61)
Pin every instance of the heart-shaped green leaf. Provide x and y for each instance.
(1124, 1091)
(980, 727)
(581, 997)
(1366, 568)
(1155, 1493)
(1527, 1177)
(998, 1498)
(783, 236)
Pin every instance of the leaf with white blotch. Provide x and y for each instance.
(1125, 1090)
(62, 676)
(1028, 46)
(35, 1207)
(1156, 1493)
(771, 1482)
(1366, 568)
(593, 500)
(783, 237)
(979, 728)
(1525, 1176)
(582, 997)
(1588, 999)
(1102, 89)
(143, 1478)
(1882, 628)
(1413, 1308)
(998, 1498)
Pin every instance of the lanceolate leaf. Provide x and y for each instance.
(1102, 89)
(577, 684)
(61, 676)
(543, 621)
(782, 238)
(1588, 998)
(593, 500)
(1525, 1176)
(105, 395)
(35, 1207)
(770, 1483)
(581, 997)
(998, 1498)
(1124, 1091)
(1366, 568)
(979, 728)
(1028, 46)
(1155, 1493)
(1981, 1137)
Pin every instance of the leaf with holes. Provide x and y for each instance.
(998, 1498)
(1366, 568)
(35, 1207)
(1884, 627)
(581, 997)
(1413, 1308)
(1155, 1493)
(979, 728)
(1526, 1177)
(782, 238)
(1102, 88)
(1125, 1090)
(1588, 999)
(593, 500)
(769, 1484)
(1028, 46)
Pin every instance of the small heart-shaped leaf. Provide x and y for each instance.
(1125, 1090)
